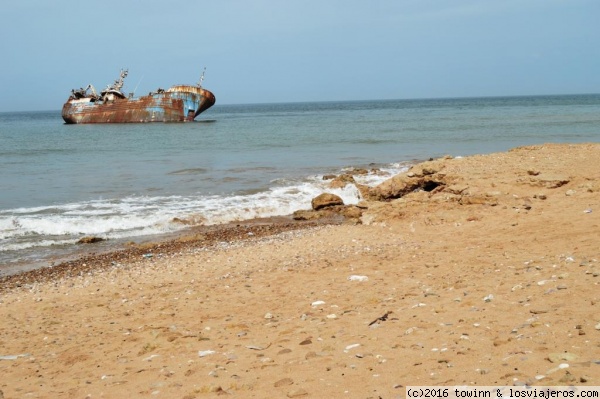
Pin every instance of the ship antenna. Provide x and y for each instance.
(202, 77)
(136, 86)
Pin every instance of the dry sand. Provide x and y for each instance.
(490, 279)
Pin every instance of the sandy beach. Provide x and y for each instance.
(483, 270)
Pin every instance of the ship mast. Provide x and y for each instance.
(202, 77)
(118, 85)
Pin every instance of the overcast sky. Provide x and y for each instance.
(263, 51)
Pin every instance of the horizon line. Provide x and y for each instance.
(365, 100)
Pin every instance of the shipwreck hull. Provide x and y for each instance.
(177, 104)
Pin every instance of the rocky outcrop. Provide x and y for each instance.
(326, 200)
(329, 205)
(433, 181)
(427, 168)
(400, 185)
(425, 176)
(349, 213)
(342, 181)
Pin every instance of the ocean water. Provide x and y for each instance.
(61, 182)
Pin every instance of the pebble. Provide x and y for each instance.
(256, 348)
(317, 303)
(14, 357)
(355, 277)
(206, 353)
(538, 311)
(283, 382)
(351, 346)
(297, 393)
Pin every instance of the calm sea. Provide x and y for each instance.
(61, 182)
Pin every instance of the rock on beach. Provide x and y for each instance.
(326, 200)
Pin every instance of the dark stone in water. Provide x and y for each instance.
(90, 240)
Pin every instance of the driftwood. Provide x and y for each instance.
(382, 318)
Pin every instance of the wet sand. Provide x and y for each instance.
(490, 276)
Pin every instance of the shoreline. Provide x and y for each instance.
(181, 242)
(477, 271)
(238, 208)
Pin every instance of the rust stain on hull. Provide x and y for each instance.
(179, 103)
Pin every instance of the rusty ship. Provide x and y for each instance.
(179, 103)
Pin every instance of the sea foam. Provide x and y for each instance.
(138, 216)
